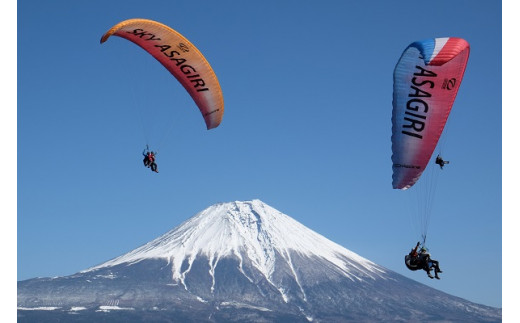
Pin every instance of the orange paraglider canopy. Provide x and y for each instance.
(181, 58)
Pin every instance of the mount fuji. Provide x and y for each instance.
(241, 261)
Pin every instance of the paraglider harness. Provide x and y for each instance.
(414, 261)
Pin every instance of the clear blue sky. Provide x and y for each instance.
(308, 97)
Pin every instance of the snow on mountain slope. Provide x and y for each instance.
(249, 229)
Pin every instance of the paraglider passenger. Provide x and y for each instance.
(153, 166)
(424, 257)
(441, 162)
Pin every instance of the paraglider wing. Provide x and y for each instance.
(181, 58)
(426, 80)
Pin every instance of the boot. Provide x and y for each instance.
(430, 275)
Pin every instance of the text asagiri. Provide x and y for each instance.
(175, 56)
(417, 108)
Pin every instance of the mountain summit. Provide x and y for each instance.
(241, 261)
(251, 232)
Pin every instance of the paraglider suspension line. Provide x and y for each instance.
(423, 239)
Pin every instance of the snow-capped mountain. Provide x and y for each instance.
(247, 231)
(241, 261)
